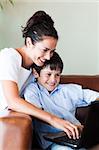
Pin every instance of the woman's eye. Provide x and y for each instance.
(44, 50)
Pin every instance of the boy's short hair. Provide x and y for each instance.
(55, 63)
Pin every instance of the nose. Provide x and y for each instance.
(47, 56)
(53, 79)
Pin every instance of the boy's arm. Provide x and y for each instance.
(90, 95)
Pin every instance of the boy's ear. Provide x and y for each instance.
(36, 75)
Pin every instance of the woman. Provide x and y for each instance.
(15, 68)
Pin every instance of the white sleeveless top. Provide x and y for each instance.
(11, 69)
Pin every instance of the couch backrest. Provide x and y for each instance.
(87, 81)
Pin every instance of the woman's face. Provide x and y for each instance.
(42, 50)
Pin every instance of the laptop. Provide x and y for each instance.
(90, 133)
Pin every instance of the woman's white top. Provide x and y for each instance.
(11, 69)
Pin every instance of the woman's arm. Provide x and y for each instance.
(16, 103)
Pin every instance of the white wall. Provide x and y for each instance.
(77, 24)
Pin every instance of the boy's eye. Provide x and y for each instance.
(49, 74)
(57, 75)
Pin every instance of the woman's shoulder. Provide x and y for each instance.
(9, 52)
(10, 55)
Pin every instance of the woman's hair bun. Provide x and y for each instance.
(41, 17)
(41, 24)
(39, 13)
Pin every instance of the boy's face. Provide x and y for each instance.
(49, 78)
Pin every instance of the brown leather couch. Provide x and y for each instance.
(16, 131)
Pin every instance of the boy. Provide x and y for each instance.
(58, 99)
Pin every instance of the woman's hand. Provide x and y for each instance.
(70, 129)
(80, 128)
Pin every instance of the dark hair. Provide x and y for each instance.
(54, 63)
(39, 25)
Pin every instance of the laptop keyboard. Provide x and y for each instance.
(65, 140)
(62, 139)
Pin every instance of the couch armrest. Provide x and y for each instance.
(15, 131)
